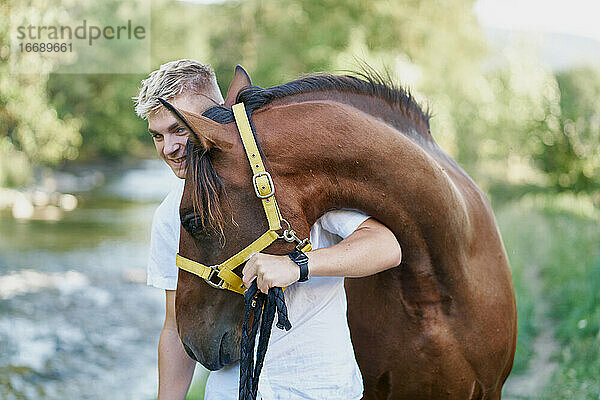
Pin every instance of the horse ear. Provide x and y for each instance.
(241, 79)
(204, 132)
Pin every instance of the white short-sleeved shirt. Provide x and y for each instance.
(164, 241)
(313, 360)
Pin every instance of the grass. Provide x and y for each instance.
(572, 281)
(521, 241)
(564, 245)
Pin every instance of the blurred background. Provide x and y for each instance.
(514, 89)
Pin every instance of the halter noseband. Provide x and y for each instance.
(221, 276)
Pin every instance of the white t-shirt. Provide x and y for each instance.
(164, 241)
(314, 359)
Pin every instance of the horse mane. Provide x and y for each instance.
(208, 193)
(372, 84)
(208, 188)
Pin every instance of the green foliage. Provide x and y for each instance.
(30, 130)
(571, 152)
(519, 240)
(572, 278)
(510, 122)
(511, 108)
(180, 30)
(278, 40)
(563, 246)
(110, 127)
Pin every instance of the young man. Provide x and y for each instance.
(317, 308)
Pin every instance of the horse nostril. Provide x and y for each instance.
(190, 352)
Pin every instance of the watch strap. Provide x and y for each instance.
(301, 260)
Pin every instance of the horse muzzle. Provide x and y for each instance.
(214, 353)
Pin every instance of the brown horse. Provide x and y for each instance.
(442, 325)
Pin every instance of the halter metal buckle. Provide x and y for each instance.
(301, 244)
(214, 272)
(289, 235)
(255, 184)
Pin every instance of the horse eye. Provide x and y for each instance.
(192, 223)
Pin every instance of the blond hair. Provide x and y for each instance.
(170, 80)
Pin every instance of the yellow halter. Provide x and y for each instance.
(265, 190)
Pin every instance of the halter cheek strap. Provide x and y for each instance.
(221, 276)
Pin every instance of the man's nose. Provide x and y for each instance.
(173, 144)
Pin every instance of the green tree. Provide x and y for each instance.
(435, 47)
(110, 128)
(31, 132)
(508, 112)
(571, 153)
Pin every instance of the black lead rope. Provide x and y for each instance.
(260, 303)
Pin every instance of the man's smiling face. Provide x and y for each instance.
(170, 137)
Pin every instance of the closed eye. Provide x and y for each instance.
(192, 223)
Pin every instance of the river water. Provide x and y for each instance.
(77, 320)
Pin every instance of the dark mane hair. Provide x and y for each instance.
(208, 188)
(372, 84)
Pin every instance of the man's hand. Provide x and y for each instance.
(270, 271)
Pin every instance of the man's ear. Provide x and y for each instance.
(241, 79)
(204, 132)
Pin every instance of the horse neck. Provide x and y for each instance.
(328, 155)
(404, 118)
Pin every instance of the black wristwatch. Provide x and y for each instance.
(301, 259)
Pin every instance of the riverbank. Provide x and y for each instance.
(36, 204)
(57, 192)
(52, 193)
(76, 317)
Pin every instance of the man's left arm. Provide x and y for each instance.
(370, 249)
